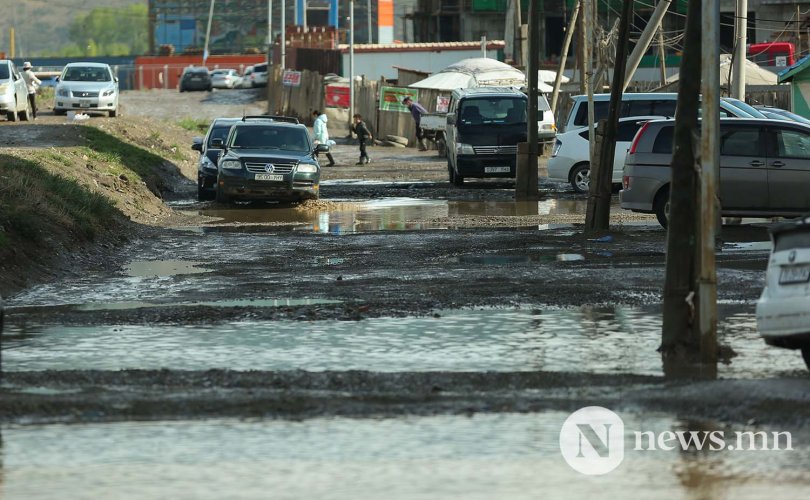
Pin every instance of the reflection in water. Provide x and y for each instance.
(161, 268)
(587, 339)
(505, 456)
(387, 214)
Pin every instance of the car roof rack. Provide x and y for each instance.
(288, 119)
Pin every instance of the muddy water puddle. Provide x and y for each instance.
(484, 456)
(594, 340)
(390, 214)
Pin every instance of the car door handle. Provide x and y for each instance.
(778, 164)
(757, 163)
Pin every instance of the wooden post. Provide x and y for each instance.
(569, 34)
(526, 169)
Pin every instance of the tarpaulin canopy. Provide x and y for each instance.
(476, 72)
(754, 75)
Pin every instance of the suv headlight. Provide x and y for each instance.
(231, 164)
(62, 92)
(464, 149)
(206, 162)
(109, 92)
(307, 168)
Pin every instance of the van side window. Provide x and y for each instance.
(663, 142)
(600, 111)
(792, 144)
(740, 141)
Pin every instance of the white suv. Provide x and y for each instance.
(783, 310)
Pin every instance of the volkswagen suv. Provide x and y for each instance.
(268, 158)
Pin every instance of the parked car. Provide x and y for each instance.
(764, 169)
(781, 114)
(636, 104)
(259, 76)
(546, 126)
(195, 78)
(13, 93)
(247, 78)
(484, 127)
(268, 159)
(209, 156)
(570, 157)
(783, 309)
(86, 86)
(225, 79)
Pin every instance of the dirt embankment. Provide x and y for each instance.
(66, 185)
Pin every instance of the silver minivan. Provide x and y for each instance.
(764, 169)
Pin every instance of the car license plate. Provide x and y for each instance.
(794, 274)
(84, 103)
(496, 170)
(269, 177)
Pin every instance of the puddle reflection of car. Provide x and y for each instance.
(783, 309)
(209, 155)
(268, 159)
(195, 78)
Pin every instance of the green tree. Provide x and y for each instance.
(108, 31)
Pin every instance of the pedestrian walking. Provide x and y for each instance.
(321, 134)
(417, 110)
(31, 83)
(363, 134)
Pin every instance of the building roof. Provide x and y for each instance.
(421, 47)
(788, 73)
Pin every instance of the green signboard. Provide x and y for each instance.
(391, 98)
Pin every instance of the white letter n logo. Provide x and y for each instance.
(592, 440)
(602, 448)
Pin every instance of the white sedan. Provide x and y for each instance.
(570, 160)
(225, 79)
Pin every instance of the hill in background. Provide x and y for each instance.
(42, 25)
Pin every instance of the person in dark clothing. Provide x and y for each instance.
(363, 134)
(417, 110)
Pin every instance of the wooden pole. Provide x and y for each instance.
(662, 55)
(569, 35)
(526, 176)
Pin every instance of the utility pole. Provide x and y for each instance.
(708, 202)
(581, 49)
(569, 35)
(526, 175)
(368, 19)
(798, 29)
(351, 61)
(644, 40)
(208, 32)
(741, 27)
(283, 48)
(662, 55)
(588, 77)
(597, 215)
(269, 31)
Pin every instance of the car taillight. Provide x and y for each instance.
(640, 132)
(626, 182)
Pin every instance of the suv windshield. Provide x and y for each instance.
(4, 72)
(286, 138)
(492, 111)
(86, 74)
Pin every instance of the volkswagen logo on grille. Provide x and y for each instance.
(792, 256)
(269, 168)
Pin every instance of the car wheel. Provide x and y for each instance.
(210, 88)
(581, 178)
(182, 89)
(113, 113)
(661, 207)
(222, 197)
(26, 114)
(12, 116)
(59, 112)
(456, 179)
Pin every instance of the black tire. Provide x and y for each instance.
(12, 116)
(661, 207)
(457, 180)
(210, 89)
(222, 197)
(806, 355)
(59, 112)
(113, 113)
(25, 115)
(580, 178)
(441, 145)
(182, 89)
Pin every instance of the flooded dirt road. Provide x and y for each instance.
(399, 338)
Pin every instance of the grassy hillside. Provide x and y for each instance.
(42, 25)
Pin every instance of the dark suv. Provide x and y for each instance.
(268, 158)
(195, 78)
(209, 156)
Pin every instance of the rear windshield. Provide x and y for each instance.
(642, 107)
(663, 142)
(284, 138)
(86, 74)
(260, 68)
(492, 111)
(4, 72)
(792, 239)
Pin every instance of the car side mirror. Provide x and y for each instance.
(451, 119)
(116, 79)
(196, 144)
(322, 148)
(218, 144)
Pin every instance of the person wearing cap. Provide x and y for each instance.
(31, 83)
(417, 110)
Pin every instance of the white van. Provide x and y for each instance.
(635, 104)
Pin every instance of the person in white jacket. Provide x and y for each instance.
(31, 83)
(321, 134)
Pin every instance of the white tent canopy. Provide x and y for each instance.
(754, 75)
(476, 72)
